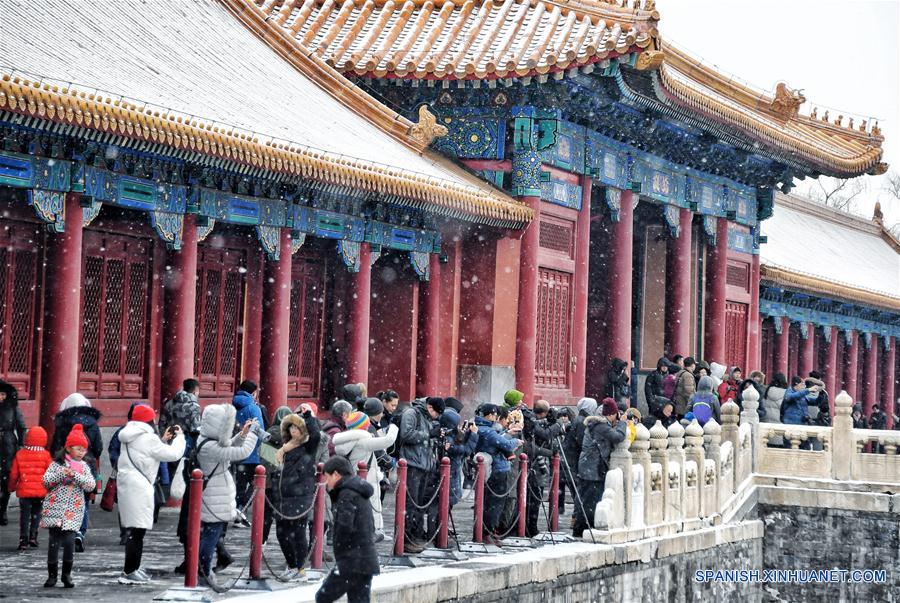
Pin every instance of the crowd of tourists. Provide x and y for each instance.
(56, 479)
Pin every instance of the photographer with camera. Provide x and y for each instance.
(601, 434)
(459, 442)
(541, 432)
(246, 407)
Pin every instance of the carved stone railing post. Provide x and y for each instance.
(620, 458)
(749, 415)
(693, 437)
(640, 455)
(730, 419)
(659, 441)
(843, 446)
(675, 473)
(712, 437)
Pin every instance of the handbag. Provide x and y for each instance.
(108, 500)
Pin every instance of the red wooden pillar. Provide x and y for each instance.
(360, 307)
(181, 310)
(717, 265)
(620, 265)
(807, 345)
(678, 288)
(832, 381)
(579, 324)
(526, 321)
(432, 326)
(782, 342)
(754, 333)
(888, 376)
(851, 365)
(276, 327)
(62, 321)
(871, 375)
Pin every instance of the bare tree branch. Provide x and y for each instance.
(839, 193)
(892, 184)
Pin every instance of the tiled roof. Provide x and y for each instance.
(193, 76)
(833, 144)
(822, 250)
(459, 39)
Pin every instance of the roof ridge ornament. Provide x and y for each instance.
(650, 60)
(427, 128)
(787, 101)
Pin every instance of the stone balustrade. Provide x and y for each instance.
(686, 477)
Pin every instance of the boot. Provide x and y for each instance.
(52, 571)
(4, 502)
(67, 574)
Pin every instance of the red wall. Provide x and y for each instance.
(393, 326)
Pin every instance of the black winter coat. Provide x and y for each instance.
(599, 440)
(88, 417)
(12, 430)
(296, 484)
(572, 443)
(354, 527)
(617, 382)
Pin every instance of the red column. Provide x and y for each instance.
(851, 364)
(62, 321)
(181, 310)
(754, 335)
(888, 375)
(871, 376)
(620, 266)
(579, 324)
(360, 306)
(432, 326)
(807, 361)
(276, 327)
(717, 265)
(782, 343)
(526, 321)
(678, 288)
(832, 381)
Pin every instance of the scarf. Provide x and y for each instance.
(76, 465)
(279, 456)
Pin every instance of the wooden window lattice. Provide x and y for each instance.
(307, 327)
(557, 235)
(554, 329)
(738, 275)
(735, 334)
(115, 315)
(18, 303)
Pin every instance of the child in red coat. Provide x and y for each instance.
(26, 479)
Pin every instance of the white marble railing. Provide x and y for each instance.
(684, 477)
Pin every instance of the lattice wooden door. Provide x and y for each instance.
(307, 326)
(554, 329)
(18, 303)
(736, 334)
(115, 292)
(219, 322)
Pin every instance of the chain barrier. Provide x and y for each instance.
(430, 502)
(214, 585)
(295, 517)
(515, 485)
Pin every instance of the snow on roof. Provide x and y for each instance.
(812, 240)
(194, 57)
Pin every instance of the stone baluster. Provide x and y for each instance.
(659, 441)
(693, 437)
(675, 449)
(640, 455)
(842, 449)
(620, 458)
(749, 415)
(730, 419)
(712, 438)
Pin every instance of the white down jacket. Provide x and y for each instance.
(360, 445)
(142, 452)
(215, 458)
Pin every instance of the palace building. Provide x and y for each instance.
(437, 197)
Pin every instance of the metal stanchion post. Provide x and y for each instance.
(523, 494)
(319, 520)
(554, 494)
(479, 499)
(362, 470)
(256, 531)
(400, 509)
(443, 539)
(192, 547)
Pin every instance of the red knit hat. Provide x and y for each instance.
(76, 437)
(143, 414)
(609, 407)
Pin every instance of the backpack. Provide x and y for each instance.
(702, 411)
(193, 462)
(668, 386)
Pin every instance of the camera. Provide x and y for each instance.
(262, 434)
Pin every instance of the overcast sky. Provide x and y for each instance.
(842, 54)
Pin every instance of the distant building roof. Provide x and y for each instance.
(194, 76)
(821, 250)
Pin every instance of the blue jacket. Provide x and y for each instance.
(794, 406)
(247, 408)
(492, 443)
(457, 453)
